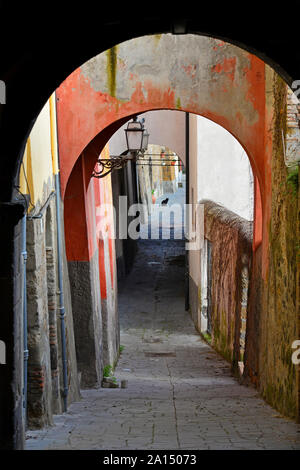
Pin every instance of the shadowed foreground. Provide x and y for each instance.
(180, 394)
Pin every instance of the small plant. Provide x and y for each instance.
(107, 371)
(207, 337)
(292, 181)
(121, 349)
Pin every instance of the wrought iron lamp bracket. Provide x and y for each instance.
(105, 166)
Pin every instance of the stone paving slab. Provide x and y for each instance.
(190, 401)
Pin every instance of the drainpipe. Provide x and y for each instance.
(61, 307)
(25, 343)
(187, 199)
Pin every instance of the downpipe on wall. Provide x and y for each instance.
(25, 342)
(61, 307)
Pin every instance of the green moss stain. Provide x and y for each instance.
(199, 297)
(292, 181)
(157, 38)
(178, 103)
(219, 337)
(112, 70)
(207, 337)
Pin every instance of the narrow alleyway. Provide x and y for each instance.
(180, 394)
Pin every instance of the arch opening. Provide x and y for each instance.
(238, 86)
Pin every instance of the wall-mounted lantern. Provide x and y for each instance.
(134, 136)
(137, 142)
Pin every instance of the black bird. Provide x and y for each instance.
(164, 202)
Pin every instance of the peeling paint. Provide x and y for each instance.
(227, 66)
(184, 73)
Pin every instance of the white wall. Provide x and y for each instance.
(224, 171)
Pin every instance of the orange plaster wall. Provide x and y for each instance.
(83, 112)
(92, 112)
(83, 220)
(76, 231)
(84, 115)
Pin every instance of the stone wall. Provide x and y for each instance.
(230, 237)
(45, 381)
(39, 365)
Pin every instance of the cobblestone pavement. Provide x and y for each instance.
(180, 394)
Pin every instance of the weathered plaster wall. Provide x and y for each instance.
(278, 324)
(199, 74)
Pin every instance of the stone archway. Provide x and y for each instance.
(241, 93)
(31, 93)
(200, 75)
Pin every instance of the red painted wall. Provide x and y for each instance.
(85, 219)
(87, 118)
(257, 230)
(83, 113)
(75, 216)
